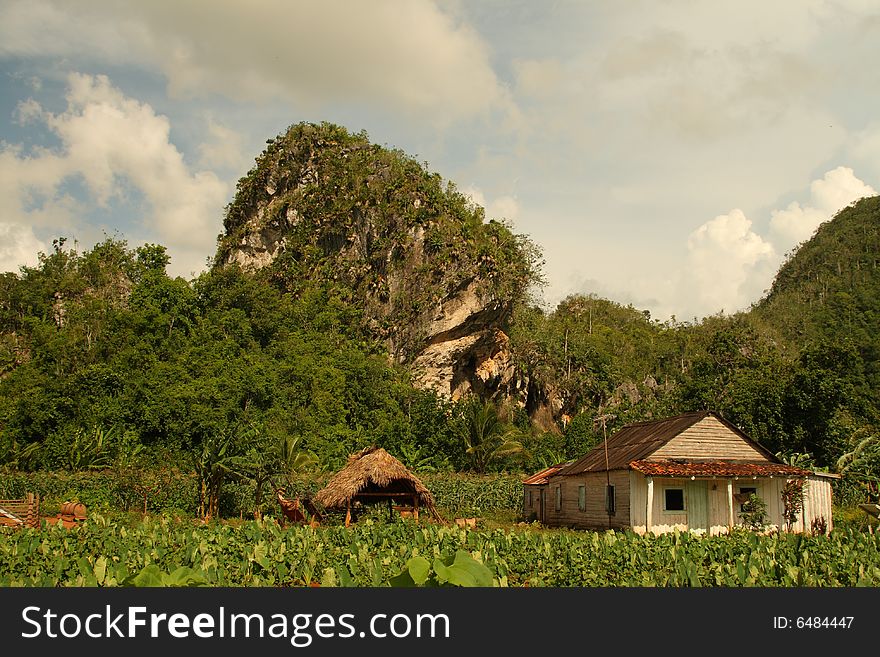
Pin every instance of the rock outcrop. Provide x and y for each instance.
(433, 279)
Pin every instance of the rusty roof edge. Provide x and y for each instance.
(541, 476)
(645, 466)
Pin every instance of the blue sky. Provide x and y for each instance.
(664, 154)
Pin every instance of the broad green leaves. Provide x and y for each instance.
(460, 569)
(167, 553)
(152, 575)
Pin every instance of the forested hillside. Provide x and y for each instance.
(829, 288)
(798, 372)
(105, 357)
(355, 300)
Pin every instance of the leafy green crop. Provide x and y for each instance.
(169, 553)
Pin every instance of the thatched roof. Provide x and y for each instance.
(373, 471)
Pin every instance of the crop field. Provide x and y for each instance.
(165, 551)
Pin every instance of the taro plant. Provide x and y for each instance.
(460, 569)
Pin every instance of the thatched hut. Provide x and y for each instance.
(372, 476)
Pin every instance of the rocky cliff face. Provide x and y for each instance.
(433, 279)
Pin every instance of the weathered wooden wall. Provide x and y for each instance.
(532, 507)
(817, 504)
(594, 516)
(709, 439)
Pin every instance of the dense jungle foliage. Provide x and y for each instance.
(106, 362)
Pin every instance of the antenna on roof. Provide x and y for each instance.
(609, 491)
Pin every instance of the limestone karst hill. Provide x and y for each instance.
(435, 280)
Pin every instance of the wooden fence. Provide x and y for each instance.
(21, 513)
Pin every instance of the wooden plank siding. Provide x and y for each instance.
(638, 497)
(817, 503)
(708, 439)
(594, 516)
(532, 502)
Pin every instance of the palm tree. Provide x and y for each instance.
(487, 437)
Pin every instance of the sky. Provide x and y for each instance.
(667, 155)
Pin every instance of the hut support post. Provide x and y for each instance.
(416, 507)
(730, 505)
(649, 511)
(30, 518)
(347, 512)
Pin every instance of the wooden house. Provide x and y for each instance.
(535, 493)
(690, 472)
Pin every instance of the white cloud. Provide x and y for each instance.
(837, 189)
(224, 149)
(500, 207)
(27, 111)
(18, 246)
(728, 263)
(112, 142)
(408, 56)
(834, 191)
(539, 78)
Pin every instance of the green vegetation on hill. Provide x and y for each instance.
(828, 290)
(106, 361)
(798, 372)
(105, 357)
(372, 225)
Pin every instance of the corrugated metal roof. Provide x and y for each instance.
(716, 469)
(542, 477)
(634, 442)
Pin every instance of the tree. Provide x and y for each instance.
(860, 464)
(792, 501)
(487, 438)
(266, 457)
(754, 513)
(216, 461)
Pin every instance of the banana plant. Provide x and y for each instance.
(216, 461)
(267, 457)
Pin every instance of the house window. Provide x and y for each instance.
(744, 493)
(673, 499)
(530, 499)
(582, 498)
(559, 498)
(609, 499)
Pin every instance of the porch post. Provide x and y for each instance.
(730, 505)
(348, 512)
(416, 507)
(649, 521)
